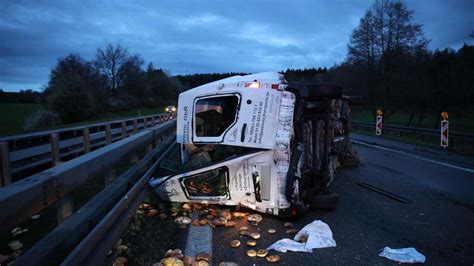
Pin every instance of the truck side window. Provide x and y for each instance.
(212, 183)
(215, 115)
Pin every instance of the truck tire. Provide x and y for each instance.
(324, 90)
(323, 200)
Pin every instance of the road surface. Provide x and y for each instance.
(438, 222)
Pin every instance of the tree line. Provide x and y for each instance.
(389, 63)
(114, 80)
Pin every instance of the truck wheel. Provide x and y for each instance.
(323, 200)
(328, 90)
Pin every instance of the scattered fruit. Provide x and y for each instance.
(271, 231)
(255, 218)
(172, 261)
(292, 231)
(251, 243)
(272, 258)
(251, 253)
(262, 253)
(255, 235)
(288, 225)
(235, 243)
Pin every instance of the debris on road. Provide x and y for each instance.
(251, 253)
(182, 221)
(15, 245)
(317, 235)
(254, 218)
(175, 257)
(271, 231)
(35, 217)
(403, 255)
(262, 253)
(235, 243)
(273, 258)
(251, 243)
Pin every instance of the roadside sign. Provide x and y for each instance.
(444, 133)
(378, 126)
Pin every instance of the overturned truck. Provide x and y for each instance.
(259, 142)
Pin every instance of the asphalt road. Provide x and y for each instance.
(438, 222)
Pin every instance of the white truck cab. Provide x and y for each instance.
(245, 141)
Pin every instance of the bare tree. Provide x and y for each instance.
(114, 63)
(386, 33)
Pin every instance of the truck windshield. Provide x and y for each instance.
(215, 115)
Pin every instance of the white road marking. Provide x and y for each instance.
(470, 170)
(199, 239)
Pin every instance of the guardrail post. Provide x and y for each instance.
(153, 121)
(5, 177)
(135, 126)
(110, 176)
(55, 152)
(65, 208)
(108, 134)
(124, 129)
(87, 140)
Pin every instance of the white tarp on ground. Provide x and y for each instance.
(403, 255)
(319, 236)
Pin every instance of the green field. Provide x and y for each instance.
(457, 122)
(12, 116)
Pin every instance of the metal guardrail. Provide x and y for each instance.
(21, 154)
(103, 218)
(453, 135)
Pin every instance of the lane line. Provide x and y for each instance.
(470, 170)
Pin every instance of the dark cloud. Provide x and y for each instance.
(199, 36)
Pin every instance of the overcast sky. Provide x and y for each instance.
(186, 37)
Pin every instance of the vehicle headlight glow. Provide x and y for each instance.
(167, 110)
(173, 109)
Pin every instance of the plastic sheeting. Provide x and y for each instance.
(403, 255)
(319, 236)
